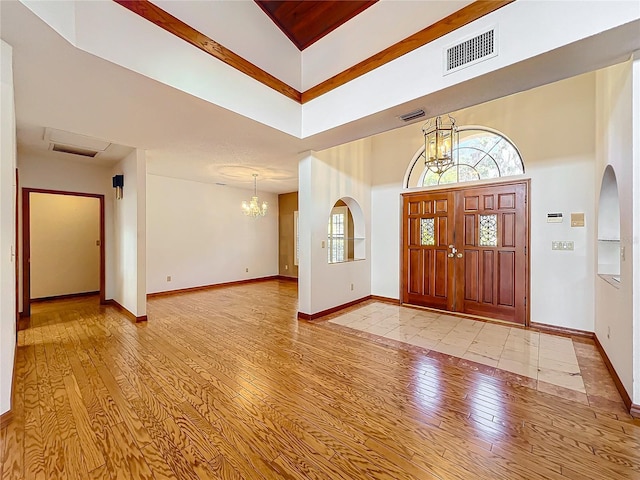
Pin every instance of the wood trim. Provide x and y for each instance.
(26, 244)
(7, 417)
(616, 379)
(173, 25)
(26, 254)
(564, 331)
(64, 297)
(328, 311)
(177, 27)
(103, 254)
(216, 285)
(427, 35)
(287, 279)
(634, 411)
(16, 253)
(126, 312)
(394, 301)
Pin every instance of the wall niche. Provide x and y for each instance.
(609, 248)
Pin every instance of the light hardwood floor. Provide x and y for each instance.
(226, 383)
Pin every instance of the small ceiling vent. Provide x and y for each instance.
(74, 143)
(56, 147)
(407, 117)
(471, 51)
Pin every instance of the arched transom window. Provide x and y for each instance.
(482, 153)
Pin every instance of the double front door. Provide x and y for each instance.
(465, 250)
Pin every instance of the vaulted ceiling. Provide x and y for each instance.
(79, 74)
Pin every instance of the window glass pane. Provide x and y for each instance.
(430, 178)
(336, 238)
(487, 168)
(467, 174)
(449, 176)
(488, 230)
(427, 231)
(480, 155)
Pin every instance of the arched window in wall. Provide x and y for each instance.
(482, 153)
(345, 232)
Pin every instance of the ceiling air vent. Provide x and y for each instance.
(471, 51)
(407, 117)
(74, 150)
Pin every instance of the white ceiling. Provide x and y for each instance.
(60, 86)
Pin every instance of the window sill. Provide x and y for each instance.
(347, 261)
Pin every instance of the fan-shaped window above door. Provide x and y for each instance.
(482, 154)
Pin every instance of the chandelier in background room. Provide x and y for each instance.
(440, 143)
(253, 208)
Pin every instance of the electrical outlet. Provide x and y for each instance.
(246, 269)
(561, 245)
(286, 267)
(352, 287)
(608, 332)
(168, 278)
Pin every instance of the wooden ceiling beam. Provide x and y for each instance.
(171, 24)
(177, 27)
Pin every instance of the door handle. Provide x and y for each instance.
(459, 255)
(450, 255)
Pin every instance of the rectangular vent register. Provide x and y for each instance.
(471, 51)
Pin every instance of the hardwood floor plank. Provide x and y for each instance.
(215, 386)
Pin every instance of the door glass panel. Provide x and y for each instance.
(488, 230)
(427, 231)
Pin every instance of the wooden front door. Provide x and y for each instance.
(465, 250)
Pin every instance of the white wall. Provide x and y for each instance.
(198, 235)
(614, 141)
(63, 174)
(130, 230)
(325, 177)
(553, 128)
(65, 255)
(7, 227)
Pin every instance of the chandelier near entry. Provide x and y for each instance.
(253, 208)
(440, 143)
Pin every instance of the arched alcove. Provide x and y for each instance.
(609, 226)
(345, 232)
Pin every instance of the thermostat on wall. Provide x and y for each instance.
(554, 217)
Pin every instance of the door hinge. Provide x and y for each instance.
(525, 250)
(525, 301)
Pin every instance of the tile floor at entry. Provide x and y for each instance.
(549, 359)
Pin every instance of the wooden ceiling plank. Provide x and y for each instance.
(177, 27)
(306, 22)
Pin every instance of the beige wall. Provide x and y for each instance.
(287, 204)
(64, 256)
(554, 128)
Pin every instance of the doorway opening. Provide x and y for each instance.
(63, 235)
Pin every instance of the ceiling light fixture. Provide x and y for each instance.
(253, 207)
(440, 143)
